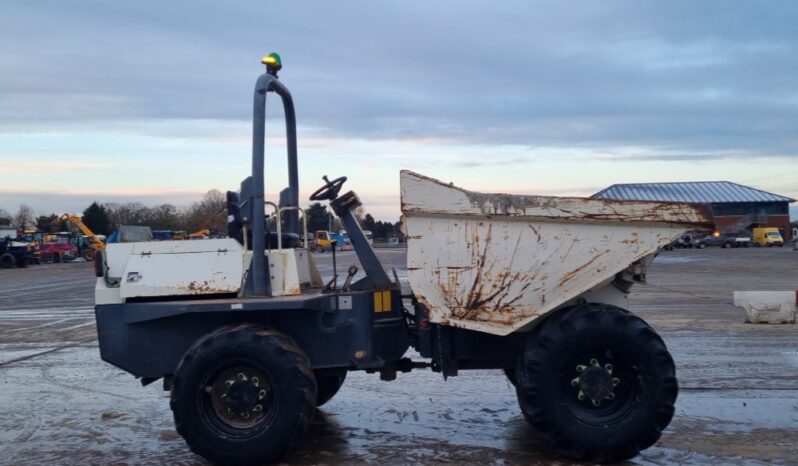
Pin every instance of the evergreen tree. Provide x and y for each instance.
(318, 217)
(96, 218)
(368, 223)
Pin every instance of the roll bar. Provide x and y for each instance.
(268, 82)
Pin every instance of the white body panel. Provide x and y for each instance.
(174, 268)
(494, 263)
(290, 269)
(179, 268)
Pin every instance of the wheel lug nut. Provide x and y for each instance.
(611, 396)
(581, 396)
(615, 381)
(596, 402)
(594, 362)
(245, 415)
(257, 408)
(261, 394)
(241, 376)
(580, 368)
(575, 382)
(229, 383)
(255, 381)
(608, 368)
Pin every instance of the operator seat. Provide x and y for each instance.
(235, 225)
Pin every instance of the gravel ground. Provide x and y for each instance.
(60, 404)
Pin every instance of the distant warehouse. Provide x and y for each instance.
(736, 208)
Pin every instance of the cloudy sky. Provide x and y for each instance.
(151, 101)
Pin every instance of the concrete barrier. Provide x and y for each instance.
(767, 307)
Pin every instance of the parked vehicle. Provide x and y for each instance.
(14, 253)
(768, 236)
(202, 233)
(682, 242)
(59, 251)
(369, 236)
(250, 343)
(322, 242)
(88, 243)
(342, 242)
(723, 241)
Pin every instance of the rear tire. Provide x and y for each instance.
(243, 395)
(7, 261)
(328, 383)
(88, 255)
(597, 383)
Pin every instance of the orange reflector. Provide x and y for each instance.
(382, 301)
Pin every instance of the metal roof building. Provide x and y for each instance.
(735, 207)
(704, 192)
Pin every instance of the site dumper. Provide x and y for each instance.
(249, 340)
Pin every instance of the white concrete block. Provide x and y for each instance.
(767, 307)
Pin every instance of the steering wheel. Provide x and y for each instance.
(330, 190)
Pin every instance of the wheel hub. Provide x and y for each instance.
(595, 382)
(241, 397)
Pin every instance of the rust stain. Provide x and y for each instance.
(537, 233)
(197, 287)
(570, 275)
(489, 297)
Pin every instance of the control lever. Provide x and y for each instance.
(351, 273)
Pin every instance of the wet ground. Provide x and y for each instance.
(59, 404)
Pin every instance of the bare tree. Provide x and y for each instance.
(24, 216)
(208, 213)
(164, 217)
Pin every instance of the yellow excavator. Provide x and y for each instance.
(200, 234)
(93, 243)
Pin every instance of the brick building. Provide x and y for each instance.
(736, 208)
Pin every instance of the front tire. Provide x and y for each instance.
(7, 261)
(243, 395)
(597, 383)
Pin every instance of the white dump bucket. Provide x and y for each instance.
(495, 262)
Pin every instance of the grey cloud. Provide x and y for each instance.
(694, 77)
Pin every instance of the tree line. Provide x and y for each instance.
(210, 212)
